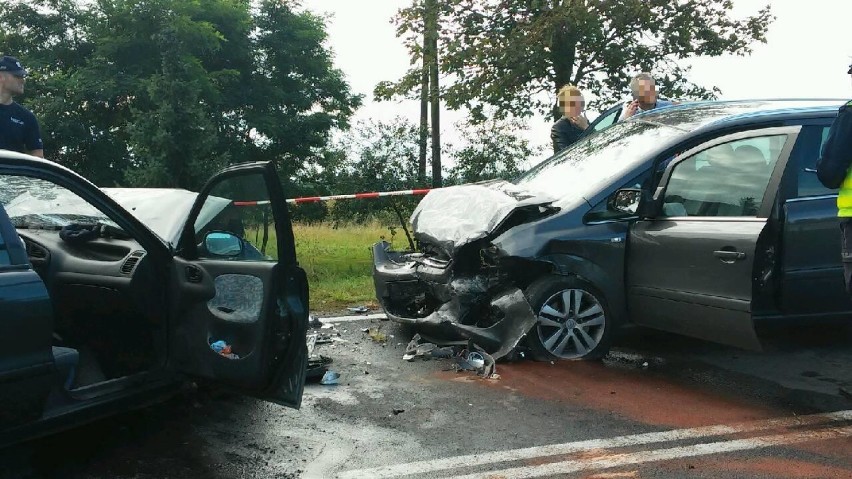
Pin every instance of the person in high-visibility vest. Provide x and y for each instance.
(833, 170)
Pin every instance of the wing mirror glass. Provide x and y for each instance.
(626, 201)
(222, 243)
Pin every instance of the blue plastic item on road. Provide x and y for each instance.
(330, 378)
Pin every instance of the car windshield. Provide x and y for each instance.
(588, 165)
(36, 203)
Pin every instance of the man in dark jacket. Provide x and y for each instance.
(834, 172)
(19, 130)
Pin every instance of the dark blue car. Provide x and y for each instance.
(99, 313)
(704, 219)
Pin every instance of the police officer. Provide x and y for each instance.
(834, 172)
(19, 130)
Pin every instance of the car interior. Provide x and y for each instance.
(97, 278)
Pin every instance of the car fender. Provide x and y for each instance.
(586, 269)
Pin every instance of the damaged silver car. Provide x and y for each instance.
(702, 219)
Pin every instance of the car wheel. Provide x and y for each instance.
(573, 320)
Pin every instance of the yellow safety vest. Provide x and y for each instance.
(844, 197)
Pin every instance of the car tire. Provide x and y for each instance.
(573, 320)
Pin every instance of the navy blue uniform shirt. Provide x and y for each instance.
(836, 157)
(19, 129)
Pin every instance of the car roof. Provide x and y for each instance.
(711, 114)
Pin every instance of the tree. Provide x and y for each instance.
(492, 149)
(515, 54)
(375, 156)
(163, 92)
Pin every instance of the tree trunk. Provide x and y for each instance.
(563, 51)
(424, 115)
(265, 231)
(434, 91)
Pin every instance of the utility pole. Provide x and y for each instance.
(424, 109)
(431, 25)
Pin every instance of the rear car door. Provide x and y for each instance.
(240, 303)
(691, 268)
(26, 358)
(812, 278)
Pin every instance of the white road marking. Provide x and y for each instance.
(346, 319)
(432, 466)
(618, 460)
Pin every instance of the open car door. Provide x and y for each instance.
(239, 310)
(694, 266)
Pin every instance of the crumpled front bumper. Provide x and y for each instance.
(423, 291)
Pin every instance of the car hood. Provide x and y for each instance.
(452, 217)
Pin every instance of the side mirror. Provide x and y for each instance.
(224, 244)
(625, 200)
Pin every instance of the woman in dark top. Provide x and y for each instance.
(572, 124)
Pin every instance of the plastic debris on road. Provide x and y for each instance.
(418, 349)
(330, 378)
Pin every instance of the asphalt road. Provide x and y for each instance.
(660, 406)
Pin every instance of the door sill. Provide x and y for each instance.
(111, 386)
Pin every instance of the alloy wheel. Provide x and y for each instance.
(571, 323)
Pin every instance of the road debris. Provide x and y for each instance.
(330, 378)
(397, 412)
(317, 363)
(358, 309)
(417, 348)
(377, 335)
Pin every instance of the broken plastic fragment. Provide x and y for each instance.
(330, 378)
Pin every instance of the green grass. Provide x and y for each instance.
(337, 261)
(339, 264)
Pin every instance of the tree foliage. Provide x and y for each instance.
(375, 156)
(163, 92)
(492, 149)
(514, 54)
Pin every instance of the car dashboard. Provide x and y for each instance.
(101, 259)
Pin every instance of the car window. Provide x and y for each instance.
(584, 168)
(36, 203)
(238, 206)
(607, 120)
(804, 156)
(729, 179)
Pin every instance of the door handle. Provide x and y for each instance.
(193, 274)
(729, 256)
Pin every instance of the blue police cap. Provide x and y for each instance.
(13, 66)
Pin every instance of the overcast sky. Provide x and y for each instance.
(806, 55)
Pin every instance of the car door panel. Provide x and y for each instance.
(692, 269)
(812, 281)
(813, 273)
(695, 277)
(254, 303)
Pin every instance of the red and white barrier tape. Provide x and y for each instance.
(315, 199)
